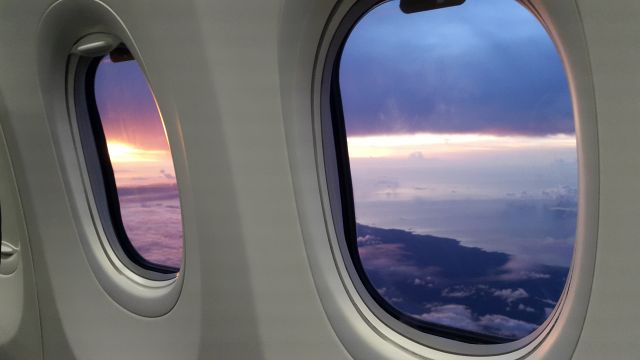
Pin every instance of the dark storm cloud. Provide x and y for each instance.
(486, 66)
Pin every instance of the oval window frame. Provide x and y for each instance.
(59, 31)
(575, 296)
(88, 53)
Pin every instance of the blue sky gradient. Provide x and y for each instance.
(482, 67)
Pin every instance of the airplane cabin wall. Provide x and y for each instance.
(611, 328)
(231, 79)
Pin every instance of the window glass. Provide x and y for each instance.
(140, 158)
(463, 166)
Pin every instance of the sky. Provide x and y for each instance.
(460, 108)
(482, 67)
(460, 126)
(136, 138)
(141, 160)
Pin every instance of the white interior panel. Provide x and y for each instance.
(236, 83)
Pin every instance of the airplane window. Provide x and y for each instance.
(457, 163)
(137, 171)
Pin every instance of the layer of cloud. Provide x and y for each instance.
(458, 292)
(461, 317)
(505, 326)
(510, 295)
(454, 70)
(457, 316)
(153, 222)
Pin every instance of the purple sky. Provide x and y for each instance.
(141, 160)
(482, 67)
(127, 107)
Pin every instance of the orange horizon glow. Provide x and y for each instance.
(137, 166)
(403, 145)
(120, 152)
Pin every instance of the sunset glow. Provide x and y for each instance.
(123, 153)
(141, 160)
(428, 144)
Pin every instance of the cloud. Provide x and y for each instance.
(548, 302)
(167, 175)
(505, 326)
(522, 307)
(367, 240)
(519, 269)
(153, 223)
(416, 155)
(391, 260)
(461, 317)
(458, 292)
(510, 295)
(534, 275)
(387, 187)
(148, 193)
(454, 70)
(524, 275)
(457, 316)
(563, 193)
